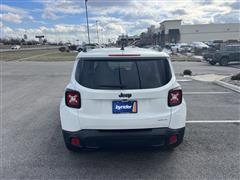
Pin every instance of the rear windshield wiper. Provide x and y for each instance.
(112, 86)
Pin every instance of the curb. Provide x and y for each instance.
(227, 85)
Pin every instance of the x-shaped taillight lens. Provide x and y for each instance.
(174, 97)
(73, 99)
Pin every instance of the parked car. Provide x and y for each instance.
(68, 48)
(216, 44)
(175, 48)
(181, 48)
(153, 47)
(79, 48)
(229, 53)
(199, 45)
(64, 49)
(88, 47)
(156, 48)
(198, 48)
(72, 47)
(124, 97)
(148, 46)
(16, 47)
(207, 55)
(168, 51)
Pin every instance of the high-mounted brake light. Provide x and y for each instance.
(124, 54)
(174, 97)
(72, 99)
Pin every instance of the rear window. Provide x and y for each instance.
(123, 74)
(229, 48)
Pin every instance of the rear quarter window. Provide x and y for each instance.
(123, 74)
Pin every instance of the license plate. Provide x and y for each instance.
(124, 107)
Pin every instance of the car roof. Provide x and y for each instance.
(128, 52)
(233, 45)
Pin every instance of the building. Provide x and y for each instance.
(172, 31)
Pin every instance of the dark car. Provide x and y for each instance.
(230, 53)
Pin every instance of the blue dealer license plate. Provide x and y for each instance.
(124, 107)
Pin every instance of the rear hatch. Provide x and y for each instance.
(124, 93)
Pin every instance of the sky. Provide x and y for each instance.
(65, 20)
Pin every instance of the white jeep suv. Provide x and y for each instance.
(124, 97)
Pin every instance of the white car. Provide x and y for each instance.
(16, 47)
(181, 47)
(124, 97)
(199, 45)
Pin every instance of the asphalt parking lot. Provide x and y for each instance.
(32, 146)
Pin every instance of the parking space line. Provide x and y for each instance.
(206, 93)
(39, 55)
(184, 80)
(212, 121)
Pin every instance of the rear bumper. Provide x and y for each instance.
(124, 138)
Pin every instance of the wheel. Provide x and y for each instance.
(224, 61)
(212, 62)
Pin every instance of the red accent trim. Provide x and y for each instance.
(173, 139)
(75, 141)
(124, 54)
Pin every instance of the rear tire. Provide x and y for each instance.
(212, 63)
(223, 61)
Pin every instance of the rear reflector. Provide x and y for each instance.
(124, 55)
(174, 97)
(75, 141)
(173, 139)
(72, 99)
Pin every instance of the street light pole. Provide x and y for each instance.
(87, 21)
(102, 36)
(97, 31)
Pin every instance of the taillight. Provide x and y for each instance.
(72, 99)
(174, 97)
(75, 141)
(173, 139)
